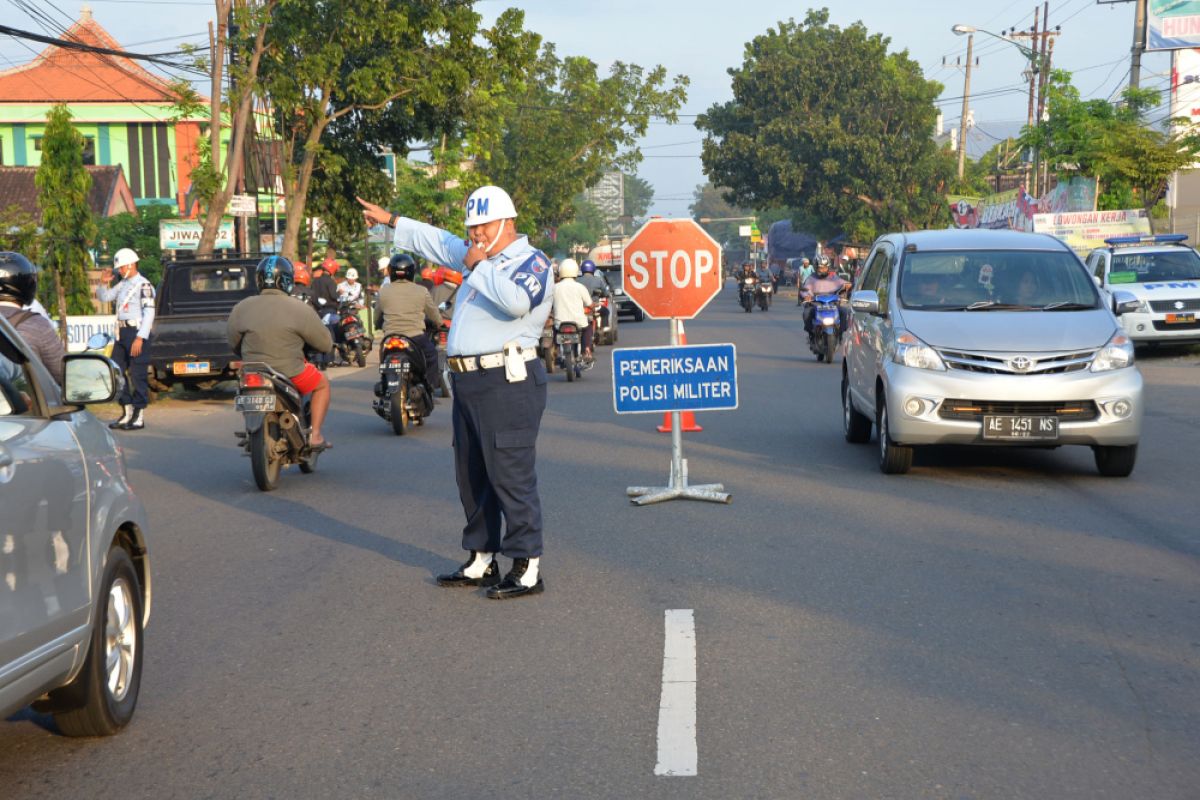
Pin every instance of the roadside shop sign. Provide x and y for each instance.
(82, 327)
(654, 380)
(243, 205)
(1084, 231)
(184, 234)
(672, 268)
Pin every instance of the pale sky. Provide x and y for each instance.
(704, 38)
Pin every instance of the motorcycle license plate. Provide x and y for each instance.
(568, 338)
(352, 335)
(254, 402)
(191, 368)
(1020, 428)
(1180, 319)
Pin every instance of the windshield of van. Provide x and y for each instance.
(1181, 264)
(995, 280)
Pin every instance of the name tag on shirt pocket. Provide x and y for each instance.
(511, 440)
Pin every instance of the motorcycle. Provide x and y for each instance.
(763, 295)
(277, 424)
(402, 396)
(746, 292)
(546, 347)
(603, 322)
(567, 337)
(352, 341)
(827, 328)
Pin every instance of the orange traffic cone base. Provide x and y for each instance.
(687, 423)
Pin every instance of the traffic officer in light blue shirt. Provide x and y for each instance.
(133, 301)
(499, 383)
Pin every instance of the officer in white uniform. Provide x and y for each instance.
(499, 383)
(133, 299)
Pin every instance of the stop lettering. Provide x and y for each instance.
(672, 268)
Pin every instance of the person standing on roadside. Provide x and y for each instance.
(499, 384)
(133, 301)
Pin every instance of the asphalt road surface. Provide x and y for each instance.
(995, 624)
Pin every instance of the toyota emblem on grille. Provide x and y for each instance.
(1179, 305)
(1021, 363)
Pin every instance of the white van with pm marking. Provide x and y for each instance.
(1164, 274)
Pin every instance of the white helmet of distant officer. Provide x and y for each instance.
(485, 205)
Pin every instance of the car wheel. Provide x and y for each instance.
(894, 459)
(108, 685)
(856, 426)
(1115, 462)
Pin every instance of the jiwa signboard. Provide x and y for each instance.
(184, 234)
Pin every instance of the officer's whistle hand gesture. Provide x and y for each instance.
(474, 255)
(373, 214)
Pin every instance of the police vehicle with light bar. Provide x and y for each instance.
(1164, 274)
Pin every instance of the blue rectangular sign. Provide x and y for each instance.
(697, 377)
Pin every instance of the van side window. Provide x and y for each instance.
(870, 276)
(1098, 265)
(884, 284)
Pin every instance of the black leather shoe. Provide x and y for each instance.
(511, 586)
(491, 575)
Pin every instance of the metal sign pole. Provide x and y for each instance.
(677, 487)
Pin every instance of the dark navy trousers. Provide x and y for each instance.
(137, 388)
(495, 440)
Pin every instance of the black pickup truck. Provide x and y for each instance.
(189, 344)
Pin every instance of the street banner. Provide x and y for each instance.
(1084, 231)
(1172, 24)
(653, 380)
(1185, 91)
(1015, 209)
(184, 234)
(81, 328)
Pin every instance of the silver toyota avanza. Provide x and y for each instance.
(990, 338)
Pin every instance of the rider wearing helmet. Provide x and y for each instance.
(350, 290)
(18, 291)
(823, 281)
(272, 328)
(406, 308)
(499, 383)
(573, 303)
(590, 279)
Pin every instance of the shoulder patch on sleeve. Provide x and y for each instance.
(532, 277)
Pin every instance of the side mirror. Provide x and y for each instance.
(89, 378)
(1099, 283)
(866, 301)
(1125, 303)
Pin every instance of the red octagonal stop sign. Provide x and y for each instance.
(672, 268)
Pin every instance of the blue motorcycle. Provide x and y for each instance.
(826, 327)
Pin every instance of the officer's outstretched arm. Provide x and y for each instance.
(437, 245)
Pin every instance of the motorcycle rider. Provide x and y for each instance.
(18, 289)
(593, 283)
(802, 274)
(350, 290)
(573, 303)
(323, 295)
(271, 328)
(747, 272)
(407, 308)
(822, 281)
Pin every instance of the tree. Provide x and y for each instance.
(825, 120)
(570, 126)
(139, 231)
(639, 194)
(63, 185)
(351, 60)
(586, 227)
(1147, 159)
(708, 202)
(19, 233)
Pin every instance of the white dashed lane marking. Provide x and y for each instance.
(677, 706)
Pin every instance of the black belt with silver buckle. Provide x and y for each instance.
(485, 361)
(128, 323)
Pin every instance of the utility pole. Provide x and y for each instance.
(962, 128)
(1139, 44)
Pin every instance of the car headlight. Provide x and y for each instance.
(912, 352)
(1144, 308)
(1116, 354)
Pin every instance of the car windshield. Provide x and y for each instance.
(613, 276)
(1001, 280)
(1180, 264)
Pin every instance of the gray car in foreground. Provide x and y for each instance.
(74, 569)
(987, 338)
